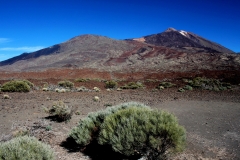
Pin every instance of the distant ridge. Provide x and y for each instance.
(169, 51)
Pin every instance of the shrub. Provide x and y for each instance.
(31, 85)
(187, 87)
(96, 89)
(5, 96)
(82, 80)
(119, 89)
(60, 110)
(15, 86)
(181, 90)
(132, 85)
(111, 84)
(88, 128)
(142, 131)
(66, 84)
(45, 89)
(25, 148)
(96, 98)
(82, 89)
(163, 85)
(209, 84)
(132, 129)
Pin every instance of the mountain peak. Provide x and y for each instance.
(170, 29)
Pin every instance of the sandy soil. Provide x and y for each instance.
(212, 119)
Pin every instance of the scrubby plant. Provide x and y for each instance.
(5, 96)
(82, 80)
(66, 84)
(119, 89)
(25, 148)
(96, 89)
(62, 90)
(132, 129)
(163, 85)
(208, 84)
(44, 89)
(181, 90)
(187, 87)
(82, 89)
(142, 131)
(88, 128)
(160, 87)
(31, 85)
(151, 80)
(96, 98)
(111, 84)
(60, 110)
(48, 128)
(132, 85)
(78, 113)
(15, 86)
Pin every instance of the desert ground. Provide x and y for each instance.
(211, 119)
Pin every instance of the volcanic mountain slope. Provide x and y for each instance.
(182, 39)
(168, 51)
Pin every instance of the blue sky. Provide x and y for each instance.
(29, 25)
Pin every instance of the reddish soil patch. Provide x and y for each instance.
(232, 76)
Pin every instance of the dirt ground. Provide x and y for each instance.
(211, 119)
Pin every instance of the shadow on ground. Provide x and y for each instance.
(95, 151)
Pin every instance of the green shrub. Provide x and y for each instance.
(82, 80)
(66, 84)
(25, 148)
(181, 90)
(132, 85)
(141, 131)
(82, 89)
(15, 86)
(187, 87)
(88, 128)
(132, 129)
(111, 84)
(163, 85)
(208, 84)
(60, 110)
(5, 96)
(31, 85)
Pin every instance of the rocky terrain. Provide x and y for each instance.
(210, 117)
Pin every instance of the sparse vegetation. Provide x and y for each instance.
(151, 80)
(25, 148)
(96, 98)
(111, 84)
(60, 110)
(30, 84)
(132, 85)
(5, 96)
(164, 85)
(132, 129)
(96, 89)
(15, 86)
(82, 80)
(187, 87)
(66, 84)
(82, 89)
(181, 90)
(45, 89)
(208, 84)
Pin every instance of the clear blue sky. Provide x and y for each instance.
(28, 25)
